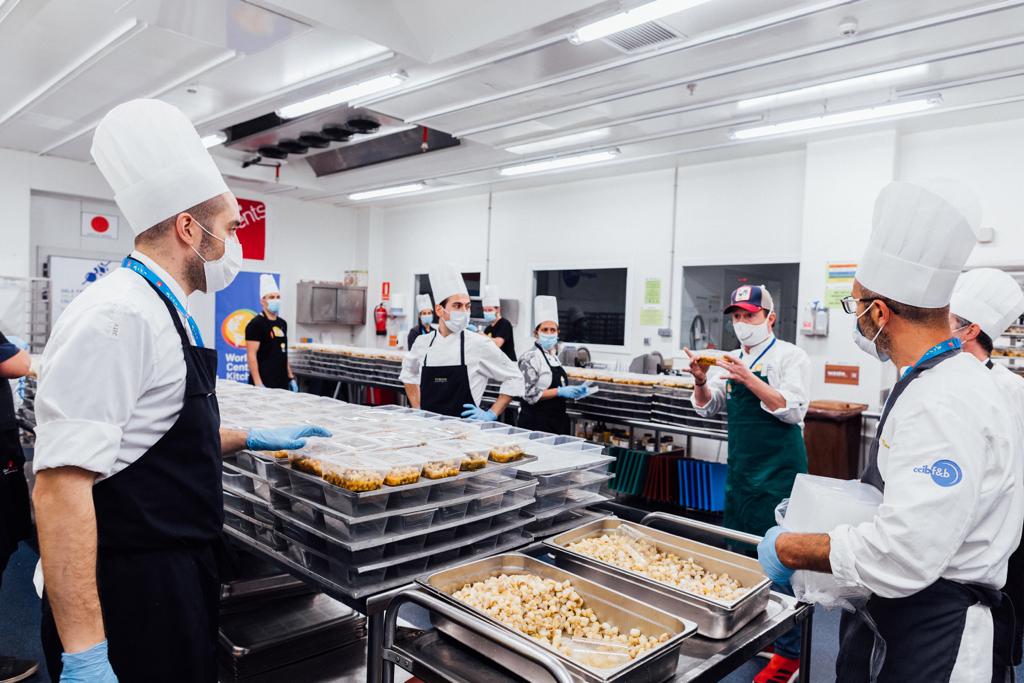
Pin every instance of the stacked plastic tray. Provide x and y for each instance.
(702, 485)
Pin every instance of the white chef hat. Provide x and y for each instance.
(490, 297)
(545, 309)
(921, 238)
(988, 297)
(268, 285)
(423, 303)
(151, 156)
(447, 281)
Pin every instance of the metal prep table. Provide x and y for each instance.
(431, 656)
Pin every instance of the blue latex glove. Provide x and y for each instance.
(575, 392)
(91, 666)
(769, 557)
(293, 385)
(479, 414)
(282, 438)
(19, 342)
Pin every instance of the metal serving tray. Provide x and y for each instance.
(610, 606)
(715, 618)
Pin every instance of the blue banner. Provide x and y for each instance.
(236, 305)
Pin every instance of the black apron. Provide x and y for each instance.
(549, 415)
(921, 632)
(159, 524)
(445, 389)
(15, 511)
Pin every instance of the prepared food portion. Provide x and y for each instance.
(355, 474)
(554, 614)
(634, 553)
(507, 452)
(402, 469)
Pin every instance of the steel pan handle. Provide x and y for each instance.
(713, 529)
(478, 626)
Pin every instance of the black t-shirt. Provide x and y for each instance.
(7, 420)
(272, 355)
(502, 329)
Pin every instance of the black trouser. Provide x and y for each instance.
(160, 614)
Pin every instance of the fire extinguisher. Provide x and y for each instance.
(380, 319)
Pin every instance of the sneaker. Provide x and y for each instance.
(13, 670)
(779, 670)
(768, 652)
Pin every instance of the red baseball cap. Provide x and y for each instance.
(750, 298)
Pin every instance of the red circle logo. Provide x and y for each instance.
(99, 224)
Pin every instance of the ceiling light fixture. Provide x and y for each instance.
(345, 94)
(634, 17)
(853, 116)
(387, 191)
(825, 90)
(559, 163)
(213, 139)
(561, 141)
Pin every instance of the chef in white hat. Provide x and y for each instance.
(128, 444)
(985, 303)
(447, 370)
(266, 341)
(935, 555)
(498, 328)
(547, 387)
(425, 318)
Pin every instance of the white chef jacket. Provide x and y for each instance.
(112, 377)
(788, 370)
(954, 488)
(484, 361)
(536, 372)
(1012, 387)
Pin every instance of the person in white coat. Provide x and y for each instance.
(447, 370)
(935, 555)
(985, 303)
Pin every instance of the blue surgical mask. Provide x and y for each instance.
(547, 341)
(457, 321)
(426, 320)
(274, 306)
(490, 316)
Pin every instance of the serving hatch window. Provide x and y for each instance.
(472, 281)
(591, 303)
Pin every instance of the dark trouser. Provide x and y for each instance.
(160, 613)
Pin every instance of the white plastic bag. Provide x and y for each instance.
(817, 505)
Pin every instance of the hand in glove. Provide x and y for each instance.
(479, 414)
(19, 342)
(282, 438)
(768, 556)
(90, 666)
(293, 385)
(574, 392)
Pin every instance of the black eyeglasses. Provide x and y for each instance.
(850, 303)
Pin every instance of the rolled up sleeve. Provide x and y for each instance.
(530, 364)
(921, 523)
(412, 364)
(717, 387)
(792, 379)
(94, 371)
(500, 368)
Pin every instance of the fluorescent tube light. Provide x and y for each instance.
(386, 191)
(562, 141)
(213, 139)
(634, 17)
(559, 163)
(824, 90)
(346, 94)
(837, 119)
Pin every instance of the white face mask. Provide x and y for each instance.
(866, 345)
(221, 272)
(752, 335)
(457, 321)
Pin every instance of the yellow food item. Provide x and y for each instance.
(308, 465)
(474, 461)
(706, 362)
(355, 479)
(643, 557)
(401, 475)
(551, 612)
(502, 454)
(440, 469)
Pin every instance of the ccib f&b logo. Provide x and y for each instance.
(945, 473)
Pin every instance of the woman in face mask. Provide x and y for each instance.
(498, 329)
(425, 321)
(266, 341)
(447, 370)
(547, 385)
(764, 386)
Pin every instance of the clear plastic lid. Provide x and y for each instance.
(404, 467)
(439, 461)
(354, 473)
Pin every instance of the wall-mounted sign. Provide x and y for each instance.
(252, 231)
(842, 374)
(99, 225)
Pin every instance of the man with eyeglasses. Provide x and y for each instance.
(935, 555)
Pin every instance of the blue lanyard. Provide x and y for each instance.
(937, 350)
(761, 355)
(162, 287)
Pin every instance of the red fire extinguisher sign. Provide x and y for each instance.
(385, 291)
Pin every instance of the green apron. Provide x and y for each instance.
(765, 455)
